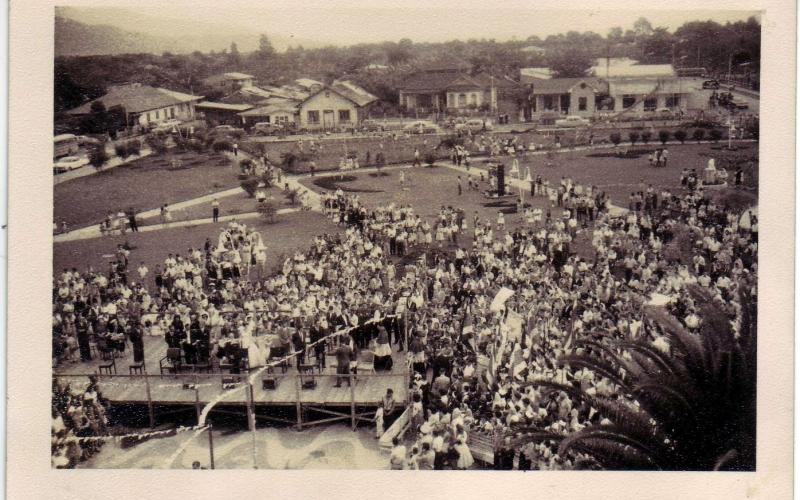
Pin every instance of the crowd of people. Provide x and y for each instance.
(76, 413)
(472, 359)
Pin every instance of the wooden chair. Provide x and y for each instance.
(137, 368)
(366, 362)
(172, 362)
(107, 367)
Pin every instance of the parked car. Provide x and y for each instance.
(168, 125)
(738, 104)
(421, 127)
(85, 140)
(711, 84)
(226, 129)
(371, 126)
(478, 125)
(69, 163)
(572, 121)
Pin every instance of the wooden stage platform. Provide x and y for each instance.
(198, 389)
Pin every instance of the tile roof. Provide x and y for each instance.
(564, 85)
(137, 98)
(433, 81)
(353, 92)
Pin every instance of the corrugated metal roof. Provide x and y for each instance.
(624, 67)
(136, 98)
(543, 73)
(665, 86)
(353, 92)
(238, 76)
(223, 106)
(270, 109)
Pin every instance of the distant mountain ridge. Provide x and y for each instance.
(82, 32)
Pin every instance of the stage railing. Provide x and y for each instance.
(198, 389)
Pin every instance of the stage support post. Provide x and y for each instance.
(251, 420)
(197, 399)
(150, 409)
(352, 401)
(298, 404)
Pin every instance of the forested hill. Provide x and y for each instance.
(379, 67)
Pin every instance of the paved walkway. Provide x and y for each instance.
(94, 231)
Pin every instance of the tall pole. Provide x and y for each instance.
(210, 445)
(251, 421)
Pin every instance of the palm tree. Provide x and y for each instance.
(691, 408)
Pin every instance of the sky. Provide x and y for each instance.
(349, 24)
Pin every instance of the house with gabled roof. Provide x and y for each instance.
(229, 82)
(452, 89)
(342, 104)
(144, 105)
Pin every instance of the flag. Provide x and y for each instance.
(502, 296)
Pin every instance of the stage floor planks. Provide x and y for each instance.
(368, 389)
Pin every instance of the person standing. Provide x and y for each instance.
(215, 210)
(142, 270)
(82, 328)
(459, 185)
(417, 161)
(235, 149)
(138, 343)
(132, 220)
(344, 355)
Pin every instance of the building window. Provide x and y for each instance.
(604, 103)
(650, 104)
(547, 103)
(628, 101)
(149, 117)
(473, 99)
(157, 113)
(581, 104)
(344, 115)
(313, 117)
(673, 101)
(462, 100)
(450, 103)
(172, 112)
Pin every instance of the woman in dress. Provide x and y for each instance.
(383, 350)
(465, 459)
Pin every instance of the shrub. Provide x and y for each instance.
(615, 138)
(292, 195)
(134, 147)
(698, 134)
(663, 136)
(121, 150)
(237, 134)
(196, 145)
(646, 135)
(715, 134)
(268, 210)
(680, 134)
(156, 144)
(633, 137)
(222, 145)
(246, 163)
(250, 186)
(430, 159)
(98, 156)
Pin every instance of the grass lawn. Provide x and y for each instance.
(428, 189)
(619, 177)
(142, 184)
(289, 233)
(229, 205)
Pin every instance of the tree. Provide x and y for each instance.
(234, 57)
(98, 156)
(646, 135)
(615, 138)
(265, 48)
(698, 134)
(222, 145)
(689, 405)
(569, 62)
(680, 134)
(663, 136)
(715, 134)
(633, 136)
